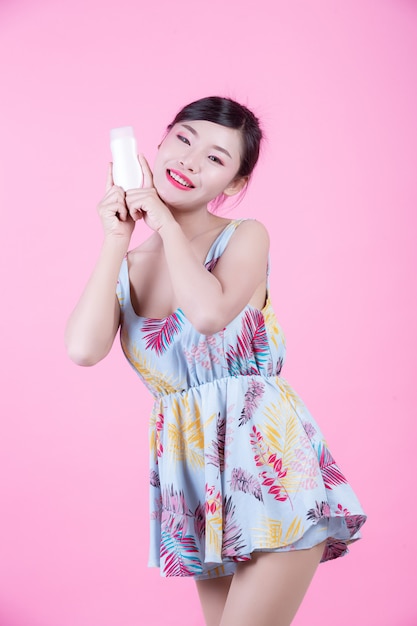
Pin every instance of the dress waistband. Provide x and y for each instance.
(217, 381)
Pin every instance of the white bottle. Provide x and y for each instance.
(127, 172)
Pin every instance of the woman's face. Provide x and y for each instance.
(196, 162)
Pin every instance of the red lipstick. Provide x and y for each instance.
(179, 180)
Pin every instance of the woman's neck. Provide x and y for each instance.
(196, 222)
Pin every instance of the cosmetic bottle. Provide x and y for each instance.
(127, 172)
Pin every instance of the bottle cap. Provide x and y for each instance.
(122, 132)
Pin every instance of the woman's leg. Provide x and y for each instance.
(213, 594)
(268, 590)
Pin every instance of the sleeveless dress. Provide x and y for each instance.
(237, 463)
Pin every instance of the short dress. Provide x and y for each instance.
(237, 463)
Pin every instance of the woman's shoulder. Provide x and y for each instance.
(243, 244)
(252, 224)
(250, 231)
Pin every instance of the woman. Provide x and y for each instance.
(245, 495)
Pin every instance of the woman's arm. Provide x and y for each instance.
(93, 324)
(211, 300)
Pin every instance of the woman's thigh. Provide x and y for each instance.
(213, 594)
(268, 590)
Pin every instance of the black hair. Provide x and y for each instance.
(228, 112)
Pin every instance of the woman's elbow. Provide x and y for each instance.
(81, 358)
(83, 355)
(205, 324)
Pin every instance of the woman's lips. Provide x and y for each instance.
(179, 180)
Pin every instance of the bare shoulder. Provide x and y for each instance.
(242, 268)
(245, 258)
(251, 235)
(254, 228)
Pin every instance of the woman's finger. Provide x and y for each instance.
(147, 173)
(135, 198)
(115, 194)
(122, 212)
(109, 181)
(135, 214)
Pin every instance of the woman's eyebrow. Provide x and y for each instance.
(195, 133)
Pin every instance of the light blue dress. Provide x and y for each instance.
(237, 463)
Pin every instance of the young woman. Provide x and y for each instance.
(245, 495)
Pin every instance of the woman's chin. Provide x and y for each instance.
(168, 198)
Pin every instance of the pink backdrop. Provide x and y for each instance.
(335, 83)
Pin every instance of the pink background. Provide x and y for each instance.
(335, 84)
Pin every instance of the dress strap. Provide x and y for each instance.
(220, 243)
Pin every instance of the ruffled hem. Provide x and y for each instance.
(181, 554)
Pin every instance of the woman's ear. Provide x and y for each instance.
(236, 186)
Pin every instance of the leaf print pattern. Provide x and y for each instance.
(253, 397)
(156, 514)
(290, 397)
(278, 367)
(333, 550)
(294, 531)
(244, 481)
(173, 505)
(159, 426)
(310, 430)
(156, 381)
(332, 475)
(160, 333)
(252, 351)
(269, 534)
(185, 433)
(306, 468)
(154, 479)
(179, 554)
(233, 543)
(237, 462)
(214, 522)
(213, 500)
(353, 522)
(207, 353)
(321, 510)
(276, 336)
(215, 456)
(271, 477)
(281, 431)
(200, 521)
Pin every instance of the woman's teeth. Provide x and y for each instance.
(179, 180)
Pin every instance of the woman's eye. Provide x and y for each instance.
(183, 139)
(215, 159)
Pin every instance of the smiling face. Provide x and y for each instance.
(197, 161)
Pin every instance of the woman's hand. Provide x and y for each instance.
(145, 202)
(113, 211)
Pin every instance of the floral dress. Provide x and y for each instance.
(237, 463)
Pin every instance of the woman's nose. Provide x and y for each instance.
(190, 161)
